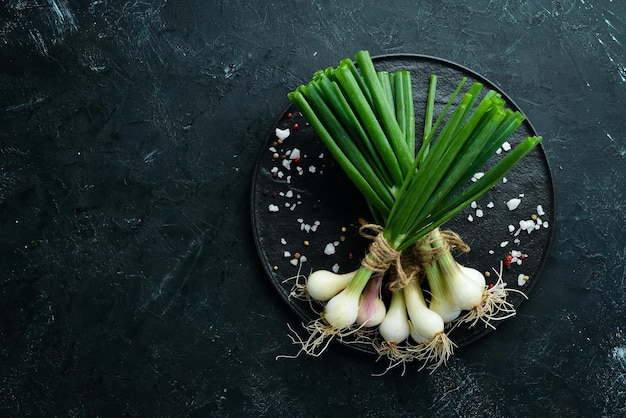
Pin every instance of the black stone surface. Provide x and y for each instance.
(130, 284)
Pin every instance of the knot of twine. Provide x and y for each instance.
(436, 244)
(382, 255)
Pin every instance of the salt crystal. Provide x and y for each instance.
(491, 252)
(521, 280)
(283, 241)
(477, 176)
(321, 155)
(300, 170)
(281, 174)
(513, 203)
(474, 204)
(490, 205)
(479, 213)
(504, 244)
(272, 149)
(294, 261)
(303, 259)
(335, 268)
(528, 225)
(273, 208)
(312, 169)
(506, 146)
(540, 211)
(286, 254)
(511, 228)
(470, 218)
(295, 153)
(282, 133)
(504, 180)
(545, 224)
(274, 170)
(329, 249)
(300, 220)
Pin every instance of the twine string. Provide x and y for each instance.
(408, 265)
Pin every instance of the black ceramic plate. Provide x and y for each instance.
(305, 213)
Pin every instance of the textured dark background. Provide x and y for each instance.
(129, 280)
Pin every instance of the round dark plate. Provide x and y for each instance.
(303, 205)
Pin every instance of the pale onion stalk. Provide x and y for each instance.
(466, 288)
(427, 329)
(395, 326)
(424, 322)
(452, 291)
(342, 310)
(323, 284)
(395, 329)
(337, 318)
(440, 300)
(372, 309)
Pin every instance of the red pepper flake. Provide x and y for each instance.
(350, 256)
(289, 115)
(297, 160)
(296, 126)
(490, 285)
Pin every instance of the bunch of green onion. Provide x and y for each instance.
(366, 119)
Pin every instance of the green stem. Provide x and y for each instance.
(355, 176)
(385, 112)
(368, 118)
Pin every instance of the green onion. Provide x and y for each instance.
(366, 119)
